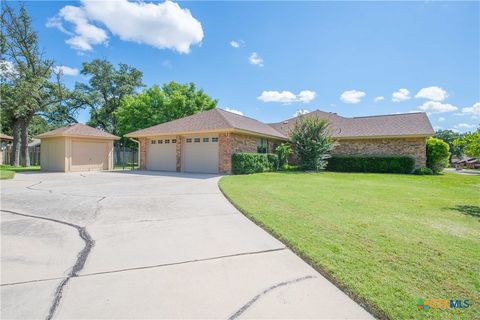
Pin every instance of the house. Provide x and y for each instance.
(467, 162)
(76, 147)
(205, 142)
(394, 134)
(4, 141)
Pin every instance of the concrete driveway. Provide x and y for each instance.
(147, 245)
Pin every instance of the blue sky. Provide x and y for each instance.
(333, 56)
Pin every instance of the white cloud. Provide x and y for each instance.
(235, 44)
(255, 59)
(287, 97)
(162, 25)
(465, 126)
(352, 96)
(67, 71)
(234, 111)
(379, 98)
(475, 109)
(301, 112)
(437, 107)
(400, 95)
(306, 96)
(432, 93)
(441, 119)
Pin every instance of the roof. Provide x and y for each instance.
(5, 137)
(77, 130)
(212, 120)
(394, 125)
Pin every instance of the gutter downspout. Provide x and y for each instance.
(138, 143)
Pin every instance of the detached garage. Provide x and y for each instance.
(76, 147)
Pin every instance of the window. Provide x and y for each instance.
(160, 141)
(205, 139)
(189, 140)
(214, 139)
(174, 140)
(153, 141)
(196, 140)
(167, 140)
(262, 145)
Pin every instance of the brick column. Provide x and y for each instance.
(179, 153)
(143, 153)
(225, 153)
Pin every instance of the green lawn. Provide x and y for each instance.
(386, 239)
(8, 172)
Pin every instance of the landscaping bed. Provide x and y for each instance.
(387, 240)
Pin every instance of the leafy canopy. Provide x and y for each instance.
(449, 137)
(283, 151)
(470, 143)
(157, 105)
(312, 142)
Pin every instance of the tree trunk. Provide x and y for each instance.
(25, 155)
(15, 157)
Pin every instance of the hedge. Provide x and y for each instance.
(374, 164)
(245, 163)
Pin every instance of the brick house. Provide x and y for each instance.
(205, 142)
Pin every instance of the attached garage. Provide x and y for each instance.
(76, 148)
(200, 153)
(162, 154)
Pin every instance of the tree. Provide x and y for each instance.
(470, 143)
(161, 104)
(283, 151)
(437, 154)
(105, 91)
(26, 88)
(312, 142)
(449, 137)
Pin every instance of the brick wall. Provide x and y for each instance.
(230, 143)
(143, 153)
(179, 153)
(415, 147)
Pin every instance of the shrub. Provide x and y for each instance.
(423, 171)
(283, 151)
(245, 163)
(374, 164)
(312, 143)
(437, 154)
(287, 167)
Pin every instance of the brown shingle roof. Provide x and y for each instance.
(5, 137)
(77, 130)
(212, 120)
(395, 125)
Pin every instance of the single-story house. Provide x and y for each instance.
(205, 142)
(4, 141)
(76, 147)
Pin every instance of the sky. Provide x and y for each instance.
(271, 60)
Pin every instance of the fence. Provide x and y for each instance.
(33, 152)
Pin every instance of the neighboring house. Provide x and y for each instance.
(205, 142)
(76, 147)
(467, 162)
(395, 134)
(4, 141)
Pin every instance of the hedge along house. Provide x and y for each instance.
(204, 142)
(76, 147)
(396, 134)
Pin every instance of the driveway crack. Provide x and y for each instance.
(79, 263)
(264, 292)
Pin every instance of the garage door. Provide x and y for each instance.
(161, 154)
(89, 155)
(200, 154)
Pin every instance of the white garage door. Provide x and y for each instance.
(89, 155)
(161, 154)
(200, 154)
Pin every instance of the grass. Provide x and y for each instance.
(387, 240)
(8, 172)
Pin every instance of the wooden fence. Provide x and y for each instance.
(34, 153)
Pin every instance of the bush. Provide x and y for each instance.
(283, 151)
(288, 167)
(438, 153)
(312, 142)
(245, 163)
(423, 171)
(374, 164)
